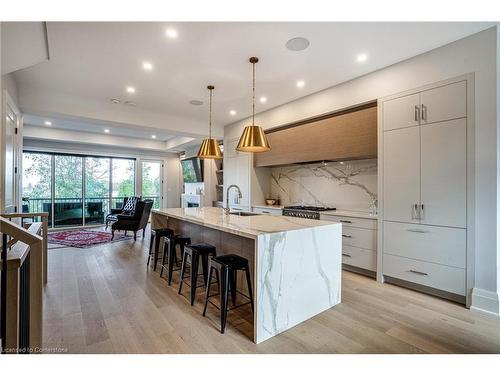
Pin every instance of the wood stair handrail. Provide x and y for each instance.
(15, 230)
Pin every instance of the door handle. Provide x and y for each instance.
(417, 113)
(419, 273)
(423, 116)
(346, 255)
(346, 236)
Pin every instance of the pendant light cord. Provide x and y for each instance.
(253, 94)
(210, 119)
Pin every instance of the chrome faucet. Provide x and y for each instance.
(227, 209)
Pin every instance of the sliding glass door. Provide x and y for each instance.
(152, 181)
(68, 191)
(75, 189)
(37, 183)
(123, 185)
(96, 189)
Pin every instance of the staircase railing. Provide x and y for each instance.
(22, 282)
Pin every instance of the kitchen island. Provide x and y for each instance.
(295, 263)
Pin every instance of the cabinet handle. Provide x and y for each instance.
(346, 221)
(424, 113)
(419, 273)
(417, 113)
(346, 236)
(346, 255)
(265, 212)
(417, 230)
(422, 213)
(414, 211)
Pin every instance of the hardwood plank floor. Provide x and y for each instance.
(105, 300)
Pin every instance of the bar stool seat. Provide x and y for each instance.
(156, 236)
(169, 257)
(195, 252)
(227, 266)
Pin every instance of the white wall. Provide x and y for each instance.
(477, 54)
(172, 186)
(9, 84)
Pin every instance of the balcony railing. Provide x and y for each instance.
(70, 211)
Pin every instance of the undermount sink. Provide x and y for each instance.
(243, 213)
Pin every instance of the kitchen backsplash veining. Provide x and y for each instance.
(350, 185)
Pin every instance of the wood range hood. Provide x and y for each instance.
(344, 135)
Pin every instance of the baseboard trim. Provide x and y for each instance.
(485, 301)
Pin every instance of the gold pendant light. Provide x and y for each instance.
(253, 138)
(209, 148)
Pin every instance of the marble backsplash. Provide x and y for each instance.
(350, 185)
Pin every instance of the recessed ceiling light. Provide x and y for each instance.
(171, 33)
(130, 89)
(362, 57)
(48, 123)
(196, 102)
(115, 101)
(153, 136)
(263, 99)
(147, 66)
(106, 130)
(297, 44)
(300, 83)
(130, 103)
(232, 112)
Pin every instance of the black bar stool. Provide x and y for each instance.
(156, 235)
(227, 266)
(194, 252)
(170, 254)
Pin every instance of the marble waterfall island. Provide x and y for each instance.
(295, 263)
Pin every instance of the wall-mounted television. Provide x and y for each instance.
(192, 170)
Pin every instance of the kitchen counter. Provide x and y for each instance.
(295, 263)
(246, 226)
(348, 213)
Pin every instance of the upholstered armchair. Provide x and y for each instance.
(127, 208)
(134, 222)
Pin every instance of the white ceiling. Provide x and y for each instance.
(83, 125)
(96, 61)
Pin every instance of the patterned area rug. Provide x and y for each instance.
(83, 238)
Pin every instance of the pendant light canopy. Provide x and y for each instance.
(253, 138)
(209, 148)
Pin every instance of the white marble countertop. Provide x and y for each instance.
(245, 226)
(348, 213)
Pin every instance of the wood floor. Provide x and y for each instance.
(104, 300)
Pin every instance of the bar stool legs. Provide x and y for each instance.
(227, 266)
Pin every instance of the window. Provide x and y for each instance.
(123, 180)
(151, 181)
(75, 189)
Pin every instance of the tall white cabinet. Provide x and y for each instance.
(423, 220)
(237, 172)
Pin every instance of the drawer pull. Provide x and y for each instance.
(346, 221)
(346, 255)
(265, 212)
(347, 236)
(419, 273)
(418, 231)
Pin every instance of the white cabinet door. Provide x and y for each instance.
(401, 174)
(243, 179)
(443, 173)
(444, 103)
(237, 172)
(401, 112)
